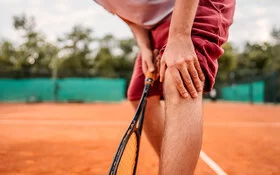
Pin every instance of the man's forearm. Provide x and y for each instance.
(183, 17)
(143, 39)
(141, 35)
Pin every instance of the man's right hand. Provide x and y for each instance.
(149, 56)
(150, 61)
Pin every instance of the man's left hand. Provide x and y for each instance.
(179, 58)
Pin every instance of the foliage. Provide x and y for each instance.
(227, 63)
(31, 58)
(75, 53)
(79, 54)
(109, 65)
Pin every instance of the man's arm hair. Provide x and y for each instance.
(141, 35)
(183, 18)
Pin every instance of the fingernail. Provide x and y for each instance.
(195, 95)
(185, 95)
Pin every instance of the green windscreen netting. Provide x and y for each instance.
(62, 90)
(244, 92)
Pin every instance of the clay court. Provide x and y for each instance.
(239, 139)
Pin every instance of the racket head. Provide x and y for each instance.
(126, 157)
(125, 160)
(128, 161)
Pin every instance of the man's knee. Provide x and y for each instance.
(171, 93)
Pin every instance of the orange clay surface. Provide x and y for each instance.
(66, 139)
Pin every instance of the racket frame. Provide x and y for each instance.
(138, 117)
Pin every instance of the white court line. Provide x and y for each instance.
(215, 167)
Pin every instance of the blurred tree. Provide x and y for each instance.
(108, 41)
(7, 51)
(104, 64)
(75, 53)
(259, 59)
(275, 33)
(128, 47)
(7, 57)
(110, 65)
(227, 64)
(34, 55)
(274, 64)
(125, 61)
(254, 60)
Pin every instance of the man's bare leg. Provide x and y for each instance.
(153, 123)
(182, 132)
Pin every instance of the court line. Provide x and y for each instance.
(213, 165)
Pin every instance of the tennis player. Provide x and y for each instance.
(186, 36)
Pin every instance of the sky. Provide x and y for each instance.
(253, 19)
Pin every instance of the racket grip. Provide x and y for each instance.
(150, 78)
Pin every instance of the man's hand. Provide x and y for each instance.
(179, 58)
(147, 61)
(150, 61)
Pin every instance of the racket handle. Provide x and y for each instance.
(150, 78)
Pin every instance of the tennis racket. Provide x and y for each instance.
(126, 157)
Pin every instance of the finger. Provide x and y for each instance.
(157, 64)
(195, 78)
(156, 52)
(199, 70)
(162, 70)
(150, 65)
(176, 77)
(188, 80)
(144, 67)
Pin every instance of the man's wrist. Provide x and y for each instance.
(178, 37)
(144, 47)
(179, 33)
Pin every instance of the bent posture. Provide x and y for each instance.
(186, 37)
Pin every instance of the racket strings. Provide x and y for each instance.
(128, 160)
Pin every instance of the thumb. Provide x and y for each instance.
(151, 67)
(156, 52)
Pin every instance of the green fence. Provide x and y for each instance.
(261, 89)
(26, 89)
(249, 92)
(62, 90)
(272, 88)
(88, 90)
